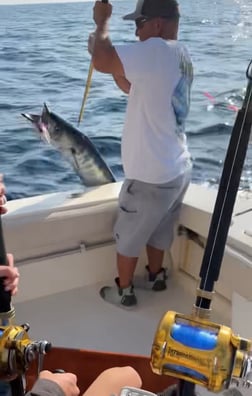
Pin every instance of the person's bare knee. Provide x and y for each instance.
(110, 381)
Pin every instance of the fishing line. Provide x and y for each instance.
(229, 106)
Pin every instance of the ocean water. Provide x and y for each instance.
(44, 58)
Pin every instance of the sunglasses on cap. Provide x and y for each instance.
(140, 21)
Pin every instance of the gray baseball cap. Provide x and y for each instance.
(154, 9)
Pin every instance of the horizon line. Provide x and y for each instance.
(27, 2)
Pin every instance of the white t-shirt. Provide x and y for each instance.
(154, 148)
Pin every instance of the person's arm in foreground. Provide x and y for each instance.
(55, 384)
(111, 381)
(3, 199)
(104, 55)
(10, 273)
(108, 383)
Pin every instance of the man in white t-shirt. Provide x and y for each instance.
(157, 74)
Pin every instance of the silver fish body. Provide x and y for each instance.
(74, 145)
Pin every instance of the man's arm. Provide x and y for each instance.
(122, 83)
(106, 60)
(104, 56)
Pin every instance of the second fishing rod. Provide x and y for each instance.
(17, 350)
(191, 347)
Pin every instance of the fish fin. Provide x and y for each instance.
(73, 152)
(46, 108)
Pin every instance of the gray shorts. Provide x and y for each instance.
(147, 214)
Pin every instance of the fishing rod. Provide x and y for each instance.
(88, 83)
(7, 311)
(17, 350)
(192, 348)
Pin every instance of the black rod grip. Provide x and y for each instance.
(5, 296)
(185, 388)
(3, 258)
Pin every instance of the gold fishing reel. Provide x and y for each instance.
(17, 351)
(202, 352)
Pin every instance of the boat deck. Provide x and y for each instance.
(63, 247)
(79, 318)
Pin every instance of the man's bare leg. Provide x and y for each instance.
(126, 267)
(157, 274)
(155, 259)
